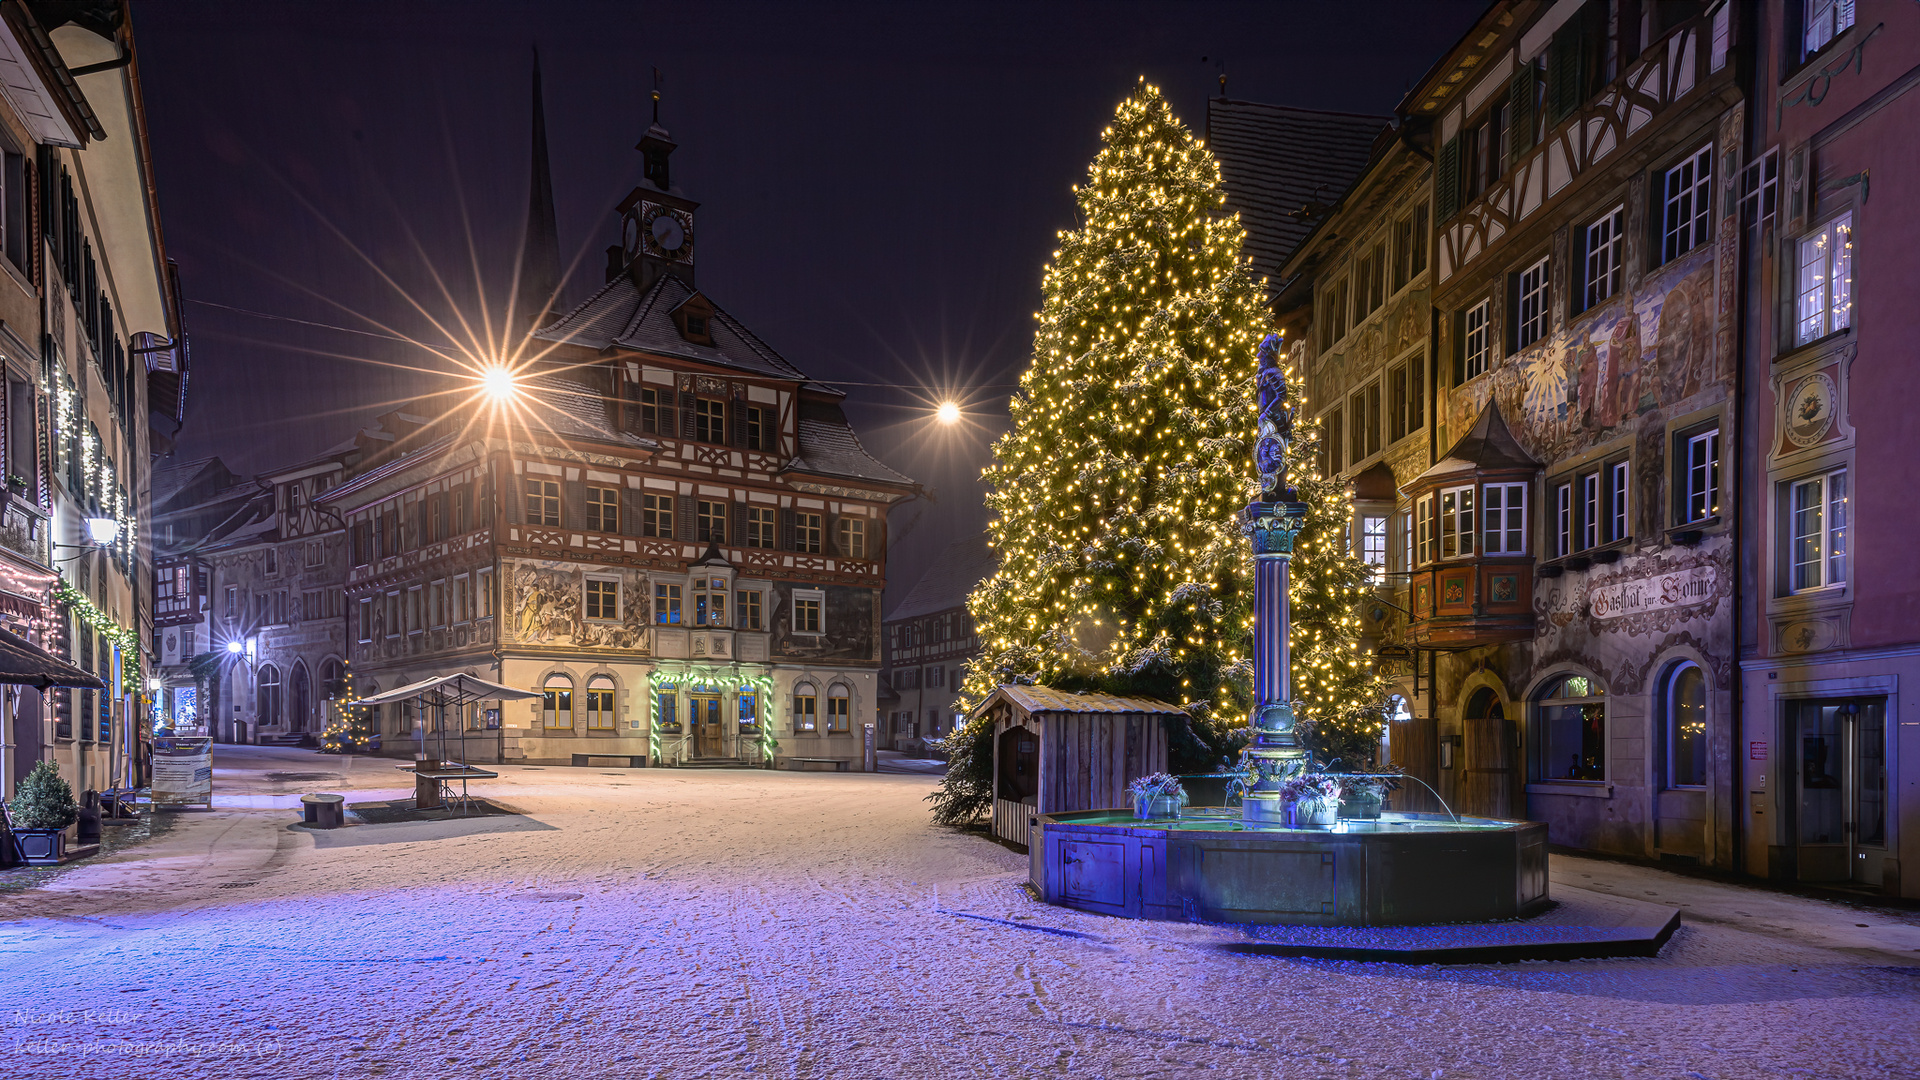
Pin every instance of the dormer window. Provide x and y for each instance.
(694, 319)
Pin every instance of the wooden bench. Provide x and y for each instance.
(839, 764)
(633, 761)
(323, 811)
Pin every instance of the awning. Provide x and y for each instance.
(450, 690)
(22, 663)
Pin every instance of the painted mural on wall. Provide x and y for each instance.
(849, 631)
(1651, 350)
(1621, 620)
(545, 606)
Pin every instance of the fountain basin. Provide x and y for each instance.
(1403, 869)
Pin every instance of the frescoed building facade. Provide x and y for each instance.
(1585, 283)
(670, 531)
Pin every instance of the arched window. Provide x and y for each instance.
(666, 713)
(1684, 716)
(333, 679)
(267, 695)
(600, 704)
(838, 709)
(806, 707)
(1570, 730)
(556, 706)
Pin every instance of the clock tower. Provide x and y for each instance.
(656, 221)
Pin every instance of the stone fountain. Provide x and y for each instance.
(1258, 867)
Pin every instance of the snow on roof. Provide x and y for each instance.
(619, 314)
(945, 585)
(831, 448)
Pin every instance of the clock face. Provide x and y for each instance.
(666, 232)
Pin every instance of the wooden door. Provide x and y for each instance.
(709, 735)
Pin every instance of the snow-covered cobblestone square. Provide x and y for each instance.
(660, 923)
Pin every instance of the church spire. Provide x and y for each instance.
(540, 246)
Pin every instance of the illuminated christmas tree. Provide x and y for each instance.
(345, 733)
(1116, 496)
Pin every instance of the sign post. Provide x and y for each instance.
(869, 754)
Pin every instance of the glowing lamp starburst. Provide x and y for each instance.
(498, 383)
(948, 413)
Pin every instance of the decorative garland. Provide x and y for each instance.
(657, 678)
(129, 640)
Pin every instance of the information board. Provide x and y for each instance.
(182, 771)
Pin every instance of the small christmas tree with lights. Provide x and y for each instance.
(1116, 496)
(345, 733)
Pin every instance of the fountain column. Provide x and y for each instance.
(1272, 522)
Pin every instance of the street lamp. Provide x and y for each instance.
(948, 413)
(498, 383)
(103, 530)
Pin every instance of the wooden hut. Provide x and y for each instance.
(1055, 751)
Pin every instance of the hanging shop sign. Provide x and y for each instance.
(1682, 588)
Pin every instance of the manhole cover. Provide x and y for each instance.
(553, 897)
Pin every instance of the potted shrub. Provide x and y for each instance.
(1157, 796)
(41, 810)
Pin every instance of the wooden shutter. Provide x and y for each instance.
(737, 422)
(574, 516)
(786, 528)
(630, 511)
(876, 532)
(1566, 77)
(683, 517)
(1459, 321)
(1520, 100)
(686, 416)
(1446, 181)
(739, 524)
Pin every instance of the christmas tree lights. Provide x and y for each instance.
(1115, 498)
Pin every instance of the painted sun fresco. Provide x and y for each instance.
(1653, 350)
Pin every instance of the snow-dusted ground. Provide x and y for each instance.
(718, 924)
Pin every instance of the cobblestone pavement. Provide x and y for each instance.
(659, 923)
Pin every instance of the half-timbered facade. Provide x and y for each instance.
(1572, 564)
(671, 532)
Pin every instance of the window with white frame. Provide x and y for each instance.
(1530, 324)
(839, 709)
(1423, 530)
(1617, 478)
(808, 613)
(1403, 558)
(1477, 348)
(1590, 510)
(1825, 293)
(1563, 519)
(1700, 482)
(709, 601)
(1506, 518)
(1826, 20)
(1686, 204)
(1604, 247)
(1373, 542)
(1456, 521)
(1817, 532)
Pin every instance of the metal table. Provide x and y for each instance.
(442, 778)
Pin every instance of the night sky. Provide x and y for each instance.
(880, 184)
